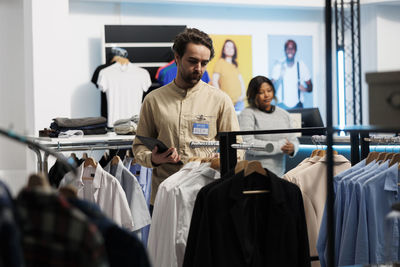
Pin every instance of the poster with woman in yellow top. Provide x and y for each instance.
(231, 68)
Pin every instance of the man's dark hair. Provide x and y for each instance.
(291, 41)
(254, 87)
(192, 35)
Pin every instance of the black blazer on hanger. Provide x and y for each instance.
(251, 230)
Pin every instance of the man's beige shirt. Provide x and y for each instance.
(169, 113)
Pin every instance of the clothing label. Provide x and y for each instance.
(200, 128)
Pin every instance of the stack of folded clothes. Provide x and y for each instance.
(126, 126)
(89, 125)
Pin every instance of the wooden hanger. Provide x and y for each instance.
(38, 180)
(388, 156)
(241, 165)
(215, 164)
(133, 162)
(85, 156)
(205, 160)
(90, 162)
(371, 157)
(381, 156)
(315, 152)
(194, 159)
(395, 160)
(115, 160)
(255, 166)
(121, 60)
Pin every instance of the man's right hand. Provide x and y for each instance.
(169, 156)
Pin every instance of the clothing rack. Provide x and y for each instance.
(85, 143)
(37, 148)
(229, 156)
(228, 153)
(215, 144)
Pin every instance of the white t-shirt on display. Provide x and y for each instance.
(124, 86)
(287, 91)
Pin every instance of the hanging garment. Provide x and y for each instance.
(122, 247)
(134, 194)
(344, 197)
(312, 182)
(55, 233)
(322, 236)
(363, 198)
(163, 230)
(143, 176)
(10, 247)
(307, 162)
(103, 98)
(378, 194)
(124, 86)
(104, 190)
(251, 230)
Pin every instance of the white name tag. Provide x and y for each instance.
(200, 128)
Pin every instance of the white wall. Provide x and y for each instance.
(388, 38)
(12, 91)
(380, 36)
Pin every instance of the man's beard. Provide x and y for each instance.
(192, 78)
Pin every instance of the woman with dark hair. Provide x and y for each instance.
(263, 115)
(227, 77)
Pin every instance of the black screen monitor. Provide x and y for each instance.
(310, 117)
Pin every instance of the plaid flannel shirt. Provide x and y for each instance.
(55, 234)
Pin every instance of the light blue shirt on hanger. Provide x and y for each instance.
(323, 231)
(351, 214)
(377, 196)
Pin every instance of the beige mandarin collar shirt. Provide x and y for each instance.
(171, 114)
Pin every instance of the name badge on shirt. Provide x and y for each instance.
(200, 128)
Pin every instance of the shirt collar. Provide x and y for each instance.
(118, 169)
(187, 92)
(97, 175)
(392, 178)
(210, 172)
(336, 159)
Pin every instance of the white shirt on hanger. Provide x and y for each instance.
(134, 194)
(161, 243)
(103, 190)
(124, 86)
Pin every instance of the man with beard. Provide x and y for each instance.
(185, 110)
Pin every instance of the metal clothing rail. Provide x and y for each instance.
(85, 143)
(37, 148)
(215, 144)
(228, 153)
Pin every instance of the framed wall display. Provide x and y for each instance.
(231, 68)
(291, 70)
